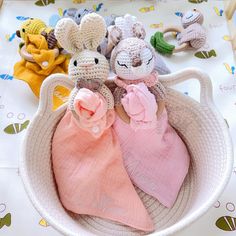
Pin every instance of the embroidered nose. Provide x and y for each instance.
(136, 62)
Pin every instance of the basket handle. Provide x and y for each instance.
(191, 73)
(47, 89)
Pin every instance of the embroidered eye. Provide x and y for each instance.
(96, 60)
(75, 63)
(122, 64)
(79, 15)
(23, 30)
(149, 60)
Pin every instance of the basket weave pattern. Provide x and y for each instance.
(200, 126)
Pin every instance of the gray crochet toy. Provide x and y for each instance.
(78, 14)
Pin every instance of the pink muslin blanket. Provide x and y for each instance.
(89, 170)
(141, 106)
(155, 158)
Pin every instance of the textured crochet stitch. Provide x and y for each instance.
(151, 148)
(193, 32)
(93, 180)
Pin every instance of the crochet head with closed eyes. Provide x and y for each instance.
(132, 59)
(82, 42)
(191, 17)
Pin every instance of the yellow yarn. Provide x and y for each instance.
(33, 26)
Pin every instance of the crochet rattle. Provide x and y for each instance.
(155, 157)
(191, 36)
(86, 154)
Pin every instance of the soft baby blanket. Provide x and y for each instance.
(88, 165)
(45, 64)
(155, 157)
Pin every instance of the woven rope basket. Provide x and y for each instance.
(199, 124)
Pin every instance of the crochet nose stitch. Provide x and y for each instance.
(136, 62)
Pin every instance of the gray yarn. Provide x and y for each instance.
(77, 14)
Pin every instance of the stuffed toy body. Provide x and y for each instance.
(86, 154)
(155, 157)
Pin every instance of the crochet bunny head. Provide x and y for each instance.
(82, 42)
(191, 17)
(133, 58)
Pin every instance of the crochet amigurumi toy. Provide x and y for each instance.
(78, 14)
(125, 27)
(86, 154)
(193, 32)
(151, 148)
(37, 26)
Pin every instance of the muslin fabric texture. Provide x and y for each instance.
(86, 153)
(91, 176)
(155, 157)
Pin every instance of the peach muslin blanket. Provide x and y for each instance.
(89, 169)
(155, 158)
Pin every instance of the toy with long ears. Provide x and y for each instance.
(86, 154)
(155, 157)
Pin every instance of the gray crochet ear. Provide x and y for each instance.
(138, 30)
(93, 29)
(68, 35)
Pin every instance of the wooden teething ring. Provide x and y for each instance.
(176, 29)
(159, 43)
(28, 57)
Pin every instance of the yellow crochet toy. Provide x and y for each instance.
(45, 63)
(36, 26)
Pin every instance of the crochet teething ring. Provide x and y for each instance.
(159, 43)
(28, 57)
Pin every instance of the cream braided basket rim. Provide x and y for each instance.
(67, 224)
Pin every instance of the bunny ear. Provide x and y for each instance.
(93, 29)
(68, 35)
(138, 30)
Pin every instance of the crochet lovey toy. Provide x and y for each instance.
(86, 155)
(125, 27)
(38, 62)
(191, 36)
(37, 26)
(155, 157)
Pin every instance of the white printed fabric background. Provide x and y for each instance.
(18, 104)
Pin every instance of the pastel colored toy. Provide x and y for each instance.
(191, 36)
(155, 157)
(37, 26)
(125, 27)
(86, 154)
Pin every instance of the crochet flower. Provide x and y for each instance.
(140, 105)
